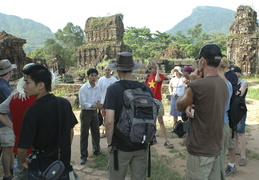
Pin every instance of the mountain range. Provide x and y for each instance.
(213, 19)
(33, 32)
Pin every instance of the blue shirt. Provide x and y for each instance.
(5, 91)
(230, 92)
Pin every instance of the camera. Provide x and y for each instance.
(175, 95)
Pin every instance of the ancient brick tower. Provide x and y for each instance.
(243, 41)
(11, 48)
(104, 37)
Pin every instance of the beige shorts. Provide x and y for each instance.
(7, 137)
(161, 111)
(202, 168)
(232, 141)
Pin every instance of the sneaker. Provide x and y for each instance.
(230, 170)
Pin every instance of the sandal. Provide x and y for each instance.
(168, 145)
(242, 162)
(8, 178)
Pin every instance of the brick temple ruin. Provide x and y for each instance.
(243, 41)
(11, 48)
(104, 39)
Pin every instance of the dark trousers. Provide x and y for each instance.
(90, 121)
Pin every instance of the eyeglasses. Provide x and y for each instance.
(107, 70)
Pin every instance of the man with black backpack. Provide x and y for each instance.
(125, 150)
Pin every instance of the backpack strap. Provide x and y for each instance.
(149, 162)
(141, 85)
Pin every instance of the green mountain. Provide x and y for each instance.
(33, 32)
(213, 19)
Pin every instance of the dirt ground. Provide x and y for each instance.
(249, 172)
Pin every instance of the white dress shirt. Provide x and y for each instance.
(104, 83)
(89, 96)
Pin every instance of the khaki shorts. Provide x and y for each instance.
(202, 168)
(232, 141)
(161, 111)
(7, 137)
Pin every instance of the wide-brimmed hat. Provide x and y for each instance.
(177, 68)
(6, 66)
(124, 62)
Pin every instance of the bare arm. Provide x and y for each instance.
(157, 77)
(22, 154)
(6, 121)
(71, 136)
(109, 126)
(243, 88)
(185, 100)
(170, 87)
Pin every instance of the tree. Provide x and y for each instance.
(71, 36)
(136, 39)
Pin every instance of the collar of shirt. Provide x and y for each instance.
(88, 85)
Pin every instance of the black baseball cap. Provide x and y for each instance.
(210, 51)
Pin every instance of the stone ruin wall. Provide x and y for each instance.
(103, 40)
(242, 43)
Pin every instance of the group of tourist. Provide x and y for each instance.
(31, 117)
(37, 126)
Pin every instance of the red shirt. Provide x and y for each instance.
(18, 107)
(155, 86)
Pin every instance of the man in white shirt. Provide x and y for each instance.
(89, 102)
(104, 82)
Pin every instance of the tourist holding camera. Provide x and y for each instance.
(176, 89)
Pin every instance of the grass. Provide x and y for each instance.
(159, 166)
(251, 154)
(253, 93)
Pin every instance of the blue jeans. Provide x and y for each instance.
(34, 175)
(241, 126)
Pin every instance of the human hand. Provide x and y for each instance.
(190, 111)
(99, 105)
(25, 164)
(197, 74)
(186, 81)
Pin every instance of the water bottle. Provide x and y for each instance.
(15, 164)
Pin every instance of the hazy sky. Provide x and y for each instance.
(158, 15)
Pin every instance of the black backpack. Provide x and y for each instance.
(236, 111)
(178, 129)
(137, 122)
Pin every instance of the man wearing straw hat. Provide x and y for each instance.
(6, 134)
